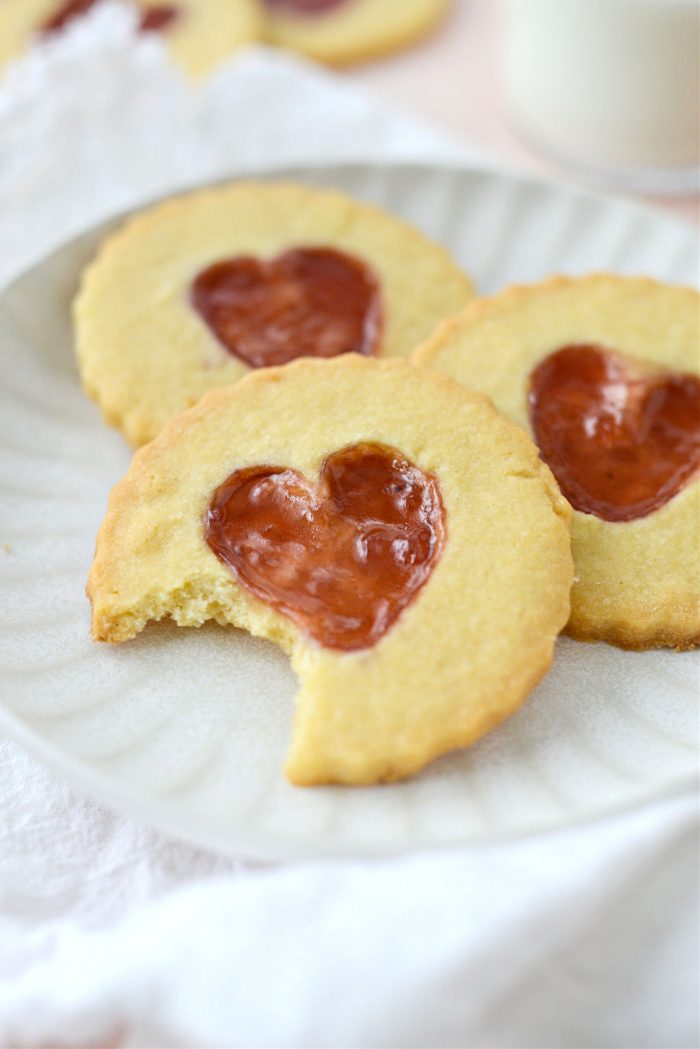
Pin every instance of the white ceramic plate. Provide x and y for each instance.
(187, 729)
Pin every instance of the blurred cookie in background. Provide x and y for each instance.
(199, 33)
(341, 32)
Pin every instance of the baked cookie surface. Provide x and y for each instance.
(190, 294)
(341, 32)
(446, 540)
(603, 371)
(199, 33)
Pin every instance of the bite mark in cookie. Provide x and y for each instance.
(405, 545)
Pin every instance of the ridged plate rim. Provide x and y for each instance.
(276, 846)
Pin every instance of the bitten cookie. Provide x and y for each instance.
(603, 372)
(341, 32)
(396, 536)
(199, 33)
(195, 292)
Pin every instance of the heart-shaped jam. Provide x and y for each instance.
(308, 302)
(153, 19)
(620, 439)
(342, 558)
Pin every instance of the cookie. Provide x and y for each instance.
(396, 536)
(199, 33)
(195, 292)
(603, 371)
(341, 32)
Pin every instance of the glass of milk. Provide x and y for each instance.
(611, 87)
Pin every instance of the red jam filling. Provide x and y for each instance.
(159, 18)
(621, 440)
(153, 19)
(308, 302)
(341, 558)
(306, 7)
(66, 13)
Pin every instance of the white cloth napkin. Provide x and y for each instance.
(110, 934)
(98, 120)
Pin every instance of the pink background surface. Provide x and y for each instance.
(453, 79)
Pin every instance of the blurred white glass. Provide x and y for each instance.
(610, 87)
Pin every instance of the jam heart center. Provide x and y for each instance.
(620, 440)
(308, 302)
(343, 558)
(155, 19)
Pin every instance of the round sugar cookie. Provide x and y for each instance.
(199, 33)
(193, 293)
(395, 535)
(603, 371)
(341, 32)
